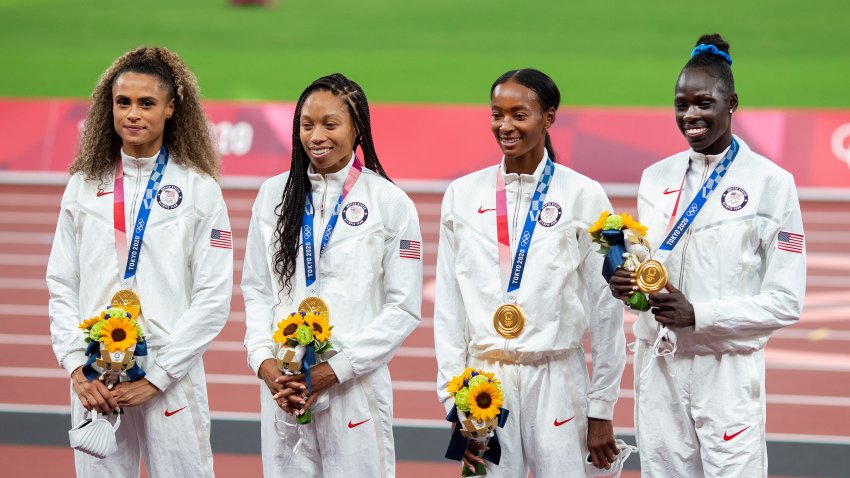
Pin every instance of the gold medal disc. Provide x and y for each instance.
(314, 304)
(651, 276)
(509, 320)
(129, 301)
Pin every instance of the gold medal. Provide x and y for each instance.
(129, 301)
(509, 320)
(651, 276)
(314, 304)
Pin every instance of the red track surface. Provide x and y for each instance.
(808, 365)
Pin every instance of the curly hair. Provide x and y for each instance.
(187, 134)
(291, 207)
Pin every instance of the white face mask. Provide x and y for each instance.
(95, 436)
(617, 467)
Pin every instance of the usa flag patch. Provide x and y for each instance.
(790, 242)
(222, 239)
(410, 249)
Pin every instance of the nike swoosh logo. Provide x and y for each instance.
(168, 414)
(727, 437)
(354, 425)
(557, 423)
(104, 193)
(668, 191)
(481, 209)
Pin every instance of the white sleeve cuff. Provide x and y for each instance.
(158, 377)
(600, 409)
(703, 316)
(341, 367)
(257, 357)
(73, 361)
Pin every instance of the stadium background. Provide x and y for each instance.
(426, 68)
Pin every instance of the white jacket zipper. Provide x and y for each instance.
(690, 229)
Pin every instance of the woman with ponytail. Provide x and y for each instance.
(732, 236)
(367, 272)
(525, 320)
(143, 224)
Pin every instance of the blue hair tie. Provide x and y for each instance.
(712, 50)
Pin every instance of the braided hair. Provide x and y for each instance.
(712, 55)
(547, 92)
(290, 210)
(187, 134)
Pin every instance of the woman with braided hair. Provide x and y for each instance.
(143, 223)
(727, 220)
(362, 234)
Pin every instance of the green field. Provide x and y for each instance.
(786, 52)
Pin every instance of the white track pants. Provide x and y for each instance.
(701, 415)
(171, 432)
(353, 437)
(546, 431)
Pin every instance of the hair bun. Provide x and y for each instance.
(714, 45)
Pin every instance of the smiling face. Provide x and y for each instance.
(327, 131)
(704, 111)
(519, 122)
(140, 106)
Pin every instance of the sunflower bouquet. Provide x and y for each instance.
(622, 240)
(477, 412)
(300, 337)
(114, 339)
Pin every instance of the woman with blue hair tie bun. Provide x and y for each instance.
(726, 224)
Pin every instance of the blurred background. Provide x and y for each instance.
(427, 68)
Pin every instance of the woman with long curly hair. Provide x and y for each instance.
(143, 225)
(335, 235)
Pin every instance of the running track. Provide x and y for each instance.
(808, 365)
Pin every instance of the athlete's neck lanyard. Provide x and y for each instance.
(131, 257)
(310, 257)
(513, 275)
(677, 231)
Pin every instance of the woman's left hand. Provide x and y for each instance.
(322, 377)
(672, 309)
(133, 394)
(600, 442)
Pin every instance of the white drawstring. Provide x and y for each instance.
(664, 346)
(283, 435)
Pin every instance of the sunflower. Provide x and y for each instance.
(485, 400)
(467, 374)
(118, 334)
(630, 223)
(455, 385)
(88, 323)
(319, 324)
(600, 223)
(286, 328)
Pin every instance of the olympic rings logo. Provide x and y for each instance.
(308, 231)
(140, 226)
(840, 145)
(526, 238)
(692, 210)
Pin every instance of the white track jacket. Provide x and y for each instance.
(562, 292)
(736, 263)
(184, 283)
(372, 288)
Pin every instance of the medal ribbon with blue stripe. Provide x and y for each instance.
(696, 205)
(524, 242)
(141, 222)
(310, 257)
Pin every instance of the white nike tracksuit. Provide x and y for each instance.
(185, 286)
(702, 411)
(374, 294)
(564, 295)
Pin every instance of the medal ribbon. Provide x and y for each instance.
(687, 218)
(311, 259)
(514, 274)
(130, 256)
